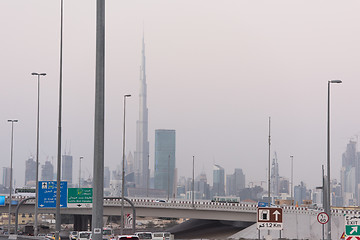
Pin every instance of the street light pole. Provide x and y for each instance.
(123, 170)
(193, 182)
(99, 124)
(80, 171)
(269, 191)
(168, 173)
(328, 207)
(11, 168)
(58, 162)
(37, 151)
(292, 179)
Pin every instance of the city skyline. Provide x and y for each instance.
(215, 73)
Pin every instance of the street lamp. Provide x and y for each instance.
(80, 171)
(292, 179)
(11, 161)
(168, 176)
(37, 150)
(193, 182)
(123, 170)
(328, 205)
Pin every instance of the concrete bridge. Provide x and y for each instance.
(299, 222)
(151, 208)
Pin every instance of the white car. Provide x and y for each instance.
(127, 237)
(84, 236)
(73, 235)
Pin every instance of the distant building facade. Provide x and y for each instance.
(350, 174)
(235, 182)
(6, 177)
(47, 171)
(106, 177)
(164, 169)
(67, 169)
(30, 172)
(301, 193)
(218, 181)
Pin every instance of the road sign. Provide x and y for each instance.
(263, 204)
(47, 194)
(352, 226)
(80, 197)
(2, 200)
(269, 218)
(323, 218)
(352, 238)
(128, 221)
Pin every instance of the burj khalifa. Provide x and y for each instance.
(142, 142)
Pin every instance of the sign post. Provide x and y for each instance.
(352, 227)
(269, 218)
(80, 197)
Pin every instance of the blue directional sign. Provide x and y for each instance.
(263, 204)
(47, 194)
(2, 200)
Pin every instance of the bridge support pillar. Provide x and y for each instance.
(82, 222)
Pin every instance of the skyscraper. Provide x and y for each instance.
(235, 182)
(47, 171)
(6, 177)
(142, 143)
(66, 169)
(218, 181)
(30, 172)
(350, 174)
(164, 169)
(275, 176)
(106, 177)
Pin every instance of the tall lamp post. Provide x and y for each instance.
(123, 170)
(168, 177)
(193, 182)
(328, 207)
(292, 180)
(11, 163)
(37, 151)
(80, 171)
(58, 162)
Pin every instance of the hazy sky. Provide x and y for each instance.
(216, 70)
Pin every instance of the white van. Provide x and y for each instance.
(162, 236)
(144, 235)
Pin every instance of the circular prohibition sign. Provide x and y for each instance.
(323, 218)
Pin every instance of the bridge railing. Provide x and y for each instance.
(205, 205)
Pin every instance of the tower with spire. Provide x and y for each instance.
(142, 144)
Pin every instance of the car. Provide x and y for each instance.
(84, 236)
(108, 233)
(144, 235)
(127, 237)
(73, 235)
(160, 201)
(50, 236)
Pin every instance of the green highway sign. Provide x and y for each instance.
(80, 197)
(352, 230)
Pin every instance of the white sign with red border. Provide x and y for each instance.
(323, 218)
(352, 238)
